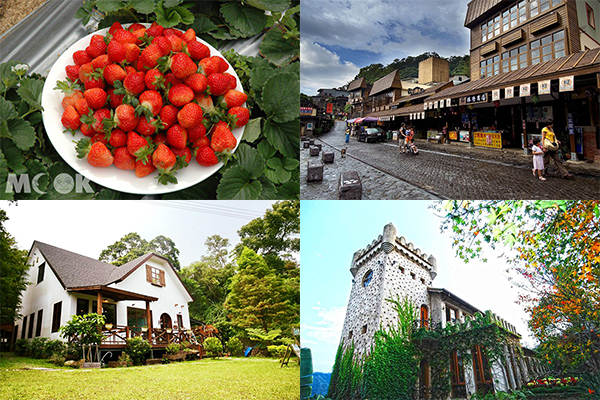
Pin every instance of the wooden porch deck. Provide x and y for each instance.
(116, 337)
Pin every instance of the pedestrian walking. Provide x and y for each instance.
(402, 138)
(550, 145)
(347, 135)
(538, 159)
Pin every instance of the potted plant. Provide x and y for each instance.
(108, 326)
(174, 352)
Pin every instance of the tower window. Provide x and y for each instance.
(350, 335)
(412, 275)
(422, 281)
(364, 329)
(402, 269)
(368, 277)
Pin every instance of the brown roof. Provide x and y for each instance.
(390, 81)
(399, 111)
(427, 92)
(577, 64)
(477, 8)
(357, 84)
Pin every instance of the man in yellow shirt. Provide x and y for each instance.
(548, 133)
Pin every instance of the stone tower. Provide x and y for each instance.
(387, 268)
(434, 69)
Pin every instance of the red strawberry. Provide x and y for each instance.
(114, 27)
(143, 168)
(154, 79)
(155, 30)
(81, 57)
(190, 115)
(163, 44)
(72, 72)
(212, 65)
(138, 146)
(87, 130)
(150, 55)
(96, 98)
(99, 137)
(196, 82)
(150, 103)
(189, 36)
(232, 98)
(125, 117)
(221, 138)
(71, 94)
(168, 116)
(196, 132)
(124, 36)
(130, 70)
(147, 128)
(163, 158)
(177, 136)
(135, 27)
(82, 107)
(118, 138)
(206, 157)
(132, 52)
(116, 51)
(97, 153)
(180, 95)
(172, 80)
(198, 51)
(239, 116)
(176, 43)
(94, 82)
(112, 73)
(218, 84)
(97, 120)
(186, 153)
(160, 138)
(124, 160)
(84, 71)
(97, 46)
(100, 61)
(115, 100)
(182, 65)
(206, 102)
(134, 83)
(232, 80)
(70, 119)
(202, 141)
(172, 31)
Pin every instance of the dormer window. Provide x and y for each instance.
(41, 270)
(155, 276)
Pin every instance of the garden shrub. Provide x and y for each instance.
(73, 351)
(55, 347)
(57, 359)
(38, 348)
(124, 360)
(137, 348)
(213, 347)
(277, 351)
(234, 346)
(22, 347)
(173, 348)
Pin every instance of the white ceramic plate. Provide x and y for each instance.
(112, 177)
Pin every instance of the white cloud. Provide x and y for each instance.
(326, 328)
(320, 68)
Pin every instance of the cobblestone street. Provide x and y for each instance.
(441, 171)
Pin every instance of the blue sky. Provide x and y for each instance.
(338, 37)
(331, 231)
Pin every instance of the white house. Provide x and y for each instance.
(142, 297)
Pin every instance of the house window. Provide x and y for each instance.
(533, 8)
(180, 321)
(41, 270)
(457, 369)
(451, 314)
(155, 276)
(590, 16)
(547, 48)
(57, 309)
(514, 59)
(83, 306)
(490, 66)
(38, 327)
(367, 278)
(24, 327)
(481, 367)
(364, 329)
(108, 310)
(136, 318)
(30, 331)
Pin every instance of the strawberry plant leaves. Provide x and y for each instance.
(7, 110)
(236, 184)
(203, 25)
(279, 50)
(38, 178)
(247, 21)
(284, 137)
(143, 6)
(14, 157)
(4, 178)
(187, 18)
(108, 6)
(289, 190)
(22, 133)
(166, 18)
(82, 190)
(270, 5)
(252, 131)
(205, 190)
(250, 160)
(269, 191)
(31, 91)
(266, 150)
(291, 164)
(259, 76)
(172, 3)
(8, 78)
(280, 97)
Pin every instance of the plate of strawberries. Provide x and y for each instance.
(143, 109)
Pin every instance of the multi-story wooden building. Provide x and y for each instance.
(358, 91)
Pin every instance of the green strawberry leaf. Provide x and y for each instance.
(250, 160)
(291, 164)
(143, 6)
(166, 18)
(275, 163)
(202, 191)
(252, 131)
(20, 131)
(247, 21)
(203, 25)
(7, 110)
(39, 180)
(280, 98)
(284, 137)
(271, 174)
(270, 5)
(277, 49)
(82, 188)
(8, 78)
(108, 6)
(259, 77)
(266, 150)
(3, 178)
(31, 91)
(172, 3)
(289, 190)
(269, 191)
(237, 184)
(13, 156)
(187, 18)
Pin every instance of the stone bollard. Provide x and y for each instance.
(319, 145)
(306, 145)
(304, 138)
(350, 187)
(315, 171)
(314, 151)
(327, 156)
(311, 141)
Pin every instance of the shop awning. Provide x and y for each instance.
(350, 121)
(370, 119)
(358, 120)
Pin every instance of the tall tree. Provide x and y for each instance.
(132, 246)
(13, 274)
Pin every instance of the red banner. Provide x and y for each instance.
(329, 108)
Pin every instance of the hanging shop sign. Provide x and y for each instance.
(525, 90)
(309, 126)
(329, 108)
(448, 102)
(566, 84)
(442, 102)
(509, 92)
(570, 127)
(462, 101)
(544, 87)
(453, 135)
(478, 98)
(430, 106)
(435, 105)
(306, 110)
(423, 115)
(388, 118)
(424, 106)
(487, 139)
(495, 94)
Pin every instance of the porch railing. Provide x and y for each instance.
(118, 335)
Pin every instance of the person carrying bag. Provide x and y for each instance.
(550, 146)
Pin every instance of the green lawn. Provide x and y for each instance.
(227, 378)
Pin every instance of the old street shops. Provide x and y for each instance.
(509, 109)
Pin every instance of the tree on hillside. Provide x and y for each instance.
(258, 297)
(13, 274)
(132, 246)
(555, 247)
